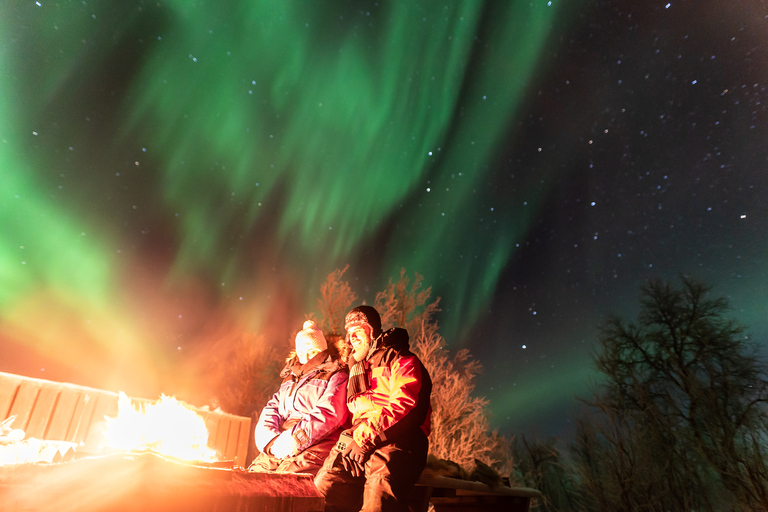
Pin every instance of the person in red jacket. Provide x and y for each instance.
(377, 461)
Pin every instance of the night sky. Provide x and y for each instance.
(172, 172)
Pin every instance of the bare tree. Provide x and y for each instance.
(460, 429)
(401, 305)
(336, 298)
(682, 416)
(540, 465)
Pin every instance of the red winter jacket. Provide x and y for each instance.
(398, 401)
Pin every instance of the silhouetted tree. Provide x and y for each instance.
(401, 305)
(336, 299)
(680, 419)
(540, 465)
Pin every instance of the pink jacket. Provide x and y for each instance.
(312, 406)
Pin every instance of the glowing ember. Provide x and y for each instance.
(167, 427)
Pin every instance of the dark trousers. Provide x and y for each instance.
(390, 474)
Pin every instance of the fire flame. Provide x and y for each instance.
(17, 448)
(167, 427)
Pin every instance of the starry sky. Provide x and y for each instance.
(172, 172)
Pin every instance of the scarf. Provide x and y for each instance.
(359, 382)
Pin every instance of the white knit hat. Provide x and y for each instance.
(310, 337)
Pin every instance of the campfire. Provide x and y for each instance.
(167, 427)
(69, 448)
(17, 448)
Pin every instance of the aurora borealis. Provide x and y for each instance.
(173, 170)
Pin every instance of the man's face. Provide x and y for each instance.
(359, 337)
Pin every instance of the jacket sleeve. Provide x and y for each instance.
(405, 406)
(268, 426)
(327, 415)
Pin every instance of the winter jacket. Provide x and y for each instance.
(398, 401)
(311, 405)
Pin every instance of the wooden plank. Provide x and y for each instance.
(234, 434)
(212, 423)
(25, 403)
(105, 405)
(60, 427)
(43, 411)
(481, 503)
(242, 442)
(9, 386)
(228, 435)
(235, 437)
(469, 487)
(222, 433)
(81, 419)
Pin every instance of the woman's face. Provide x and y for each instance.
(305, 354)
(305, 349)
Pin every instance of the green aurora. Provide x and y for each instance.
(240, 137)
(175, 173)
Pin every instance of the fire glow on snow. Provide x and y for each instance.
(167, 427)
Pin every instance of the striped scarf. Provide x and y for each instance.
(358, 380)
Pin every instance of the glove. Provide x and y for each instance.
(353, 456)
(283, 446)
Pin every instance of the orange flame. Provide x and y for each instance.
(167, 427)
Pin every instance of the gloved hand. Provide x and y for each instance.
(353, 457)
(284, 446)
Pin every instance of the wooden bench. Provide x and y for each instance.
(455, 495)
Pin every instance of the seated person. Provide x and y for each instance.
(302, 421)
(379, 459)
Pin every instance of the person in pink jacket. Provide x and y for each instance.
(302, 421)
(378, 460)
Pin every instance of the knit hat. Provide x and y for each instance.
(310, 337)
(364, 315)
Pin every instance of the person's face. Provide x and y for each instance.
(306, 355)
(304, 349)
(359, 337)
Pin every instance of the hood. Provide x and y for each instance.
(396, 338)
